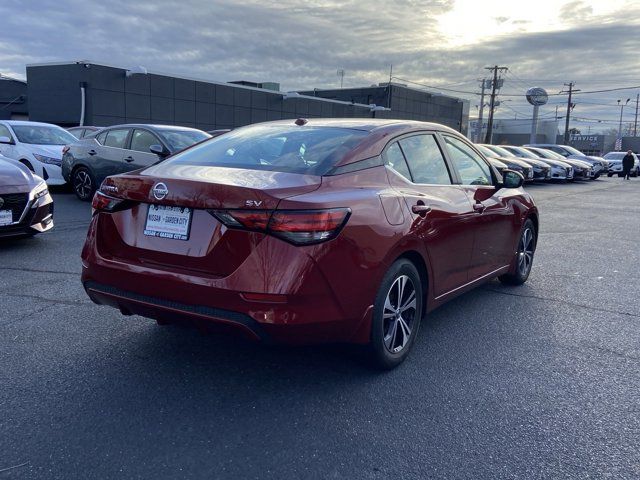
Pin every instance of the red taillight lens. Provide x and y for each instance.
(249, 219)
(301, 227)
(104, 203)
(307, 227)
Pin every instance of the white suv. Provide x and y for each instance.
(615, 164)
(36, 145)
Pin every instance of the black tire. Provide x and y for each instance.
(83, 184)
(27, 164)
(524, 255)
(596, 176)
(609, 174)
(390, 344)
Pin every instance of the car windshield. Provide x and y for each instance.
(487, 151)
(525, 153)
(501, 151)
(180, 139)
(43, 135)
(545, 153)
(572, 150)
(615, 155)
(300, 149)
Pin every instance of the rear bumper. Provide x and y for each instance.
(130, 303)
(301, 307)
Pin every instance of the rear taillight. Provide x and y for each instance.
(105, 203)
(300, 227)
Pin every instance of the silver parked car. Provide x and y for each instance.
(598, 164)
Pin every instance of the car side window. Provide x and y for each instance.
(472, 168)
(102, 137)
(425, 160)
(116, 138)
(141, 140)
(4, 132)
(394, 158)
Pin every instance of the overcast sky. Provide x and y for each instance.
(445, 43)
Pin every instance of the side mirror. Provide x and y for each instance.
(159, 150)
(6, 140)
(511, 179)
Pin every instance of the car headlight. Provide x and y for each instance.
(39, 190)
(48, 160)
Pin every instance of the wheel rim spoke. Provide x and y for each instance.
(525, 251)
(398, 314)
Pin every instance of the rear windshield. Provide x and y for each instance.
(279, 148)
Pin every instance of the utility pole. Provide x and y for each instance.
(569, 107)
(341, 75)
(389, 86)
(635, 123)
(492, 103)
(478, 132)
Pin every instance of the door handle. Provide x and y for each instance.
(129, 159)
(92, 152)
(421, 209)
(479, 207)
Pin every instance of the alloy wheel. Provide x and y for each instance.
(525, 251)
(83, 184)
(399, 314)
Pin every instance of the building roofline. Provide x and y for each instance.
(196, 79)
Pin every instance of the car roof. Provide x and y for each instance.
(367, 124)
(28, 123)
(153, 127)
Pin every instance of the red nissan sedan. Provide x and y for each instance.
(307, 231)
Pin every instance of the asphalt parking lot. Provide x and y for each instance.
(538, 381)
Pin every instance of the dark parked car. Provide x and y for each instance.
(510, 162)
(322, 230)
(26, 207)
(84, 131)
(559, 170)
(120, 149)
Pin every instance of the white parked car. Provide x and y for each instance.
(615, 164)
(36, 145)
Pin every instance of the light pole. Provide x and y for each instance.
(619, 139)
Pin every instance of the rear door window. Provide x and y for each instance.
(116, 138)
(394, 158)
(473, 170)
(425, 160)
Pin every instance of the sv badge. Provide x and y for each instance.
(252, 203)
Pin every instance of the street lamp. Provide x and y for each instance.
(619, 139)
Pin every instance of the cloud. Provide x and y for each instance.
(302, 44)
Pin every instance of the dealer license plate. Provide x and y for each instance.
(168, 222)
(6, 217)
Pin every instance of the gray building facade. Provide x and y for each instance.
(114, 95)
(13, 99)
(405, 103)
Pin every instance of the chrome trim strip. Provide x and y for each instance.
(473, 281)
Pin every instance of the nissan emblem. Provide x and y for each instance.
(160, 191)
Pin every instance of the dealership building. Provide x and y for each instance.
(88, 93)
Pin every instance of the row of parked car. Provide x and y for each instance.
(84, 156)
